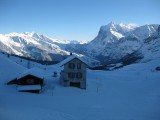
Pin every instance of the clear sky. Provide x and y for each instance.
(74, 19)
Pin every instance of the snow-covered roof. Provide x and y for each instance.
(33, 71)
(29, 87)
(68, 59)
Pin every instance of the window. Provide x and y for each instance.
(71, 65)
(79, 75)
(30, 81)
(78, 65)
(71, 75)
(75, 75)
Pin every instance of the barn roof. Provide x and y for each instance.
(68, 59)
(33, 71)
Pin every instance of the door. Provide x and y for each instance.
(75, 84)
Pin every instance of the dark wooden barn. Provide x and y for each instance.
(30, 83)
(30, 80)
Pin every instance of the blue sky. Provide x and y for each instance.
(73, 19)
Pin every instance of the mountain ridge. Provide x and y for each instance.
(113, 43)
(113, 48)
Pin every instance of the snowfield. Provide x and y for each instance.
(130, 93)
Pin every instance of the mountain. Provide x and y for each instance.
(149, 50)
(115, 43)
(39, 47)
(108, 38)
(31, 45)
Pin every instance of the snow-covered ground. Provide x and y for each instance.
(130, 93)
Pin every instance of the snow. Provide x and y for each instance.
(151, 50)
(130, 93)
(33, 71)
(9, 69)
(113, 43)
(108, 37)
(144, 31)
(118, 35)
(119, 28)
(71, 58)
(29, 45)
(67, 41)
(28, 87)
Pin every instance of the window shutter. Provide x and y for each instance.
(79, 75)
(71, 75)
(71, 65)
(78, 65)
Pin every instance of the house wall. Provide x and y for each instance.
(24, 80)
(65, 79)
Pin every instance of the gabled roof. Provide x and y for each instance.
(68, 59)
(33, 71)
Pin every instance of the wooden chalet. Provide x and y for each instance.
(30, 81)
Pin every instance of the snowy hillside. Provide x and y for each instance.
(9, 69)
(130, 93)
(150, 49)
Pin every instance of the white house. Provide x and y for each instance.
(74, 72)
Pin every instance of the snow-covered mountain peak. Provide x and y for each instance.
(107, 28)
(23, 34)
(13, 34)
(32, 34)
(31, 45)
(113, 32)
(115, 41)
(129, 26)
(145, 31)
(117, 30)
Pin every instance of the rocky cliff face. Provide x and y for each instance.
(116, 41)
